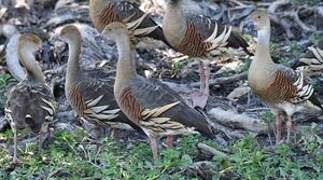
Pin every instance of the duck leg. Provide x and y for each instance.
(15, 160)
(44, 135)
(204, 78)
(278, 123)
(289, 125)
(200, 98)
(169, 141)
(115, 133)
(154, 148)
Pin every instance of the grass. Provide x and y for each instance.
(316, 38)
(4, 81)
(69, 156)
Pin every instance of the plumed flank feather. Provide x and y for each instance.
(198, 35)
(123, 11)
(314, 100)
(304, 91)
(30, 105)
(313, 58)
(153, 95)
(318, 54)
(98, 105)
(205, 26)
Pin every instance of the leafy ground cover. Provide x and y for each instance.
(73, 156)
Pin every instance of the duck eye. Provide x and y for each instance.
(259, 17)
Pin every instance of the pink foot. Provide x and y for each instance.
(168, 141)
(199, 99)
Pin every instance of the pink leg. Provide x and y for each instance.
(169, 141)
(15, 160)
(204, 78)
(289, 125)
(200, 98)
(113, 133)
(278, 123)
(44, 134)
(154, 148)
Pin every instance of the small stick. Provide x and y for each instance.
(212, 150)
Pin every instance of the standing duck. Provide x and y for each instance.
(153, 106)
(198, 36)
(31, 103)
(104, 12)
(283, 89)
(90, 94)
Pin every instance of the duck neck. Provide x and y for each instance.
(263, 46)
(73, 65)
(174, 11)
(34, 72)
(174, 21)
(126, 66)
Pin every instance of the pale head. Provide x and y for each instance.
(260, 19)
(70, 32)
(115, 30)
(30, 41)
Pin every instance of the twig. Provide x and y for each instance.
(240, 4)
(179, 88)
(235, 120)
(55, 172)
(201, 169)
(212, 150)
(257, 109)
(224, 80)
(58, 70)
(283, 22)
(272, 8)
(298, 21)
